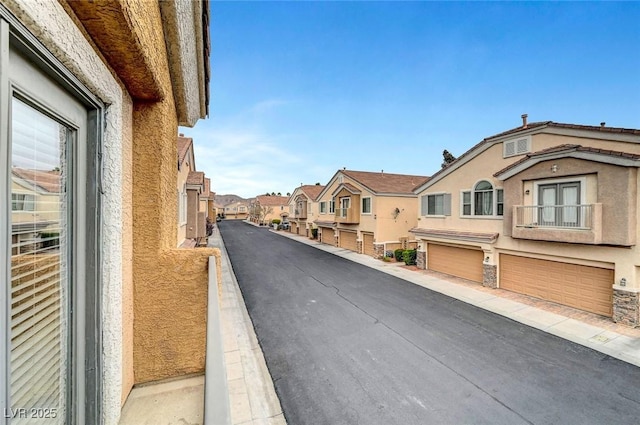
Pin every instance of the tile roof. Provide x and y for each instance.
(538, 125)
(568, 148)
(183, 147)
(456, 234)
(206, 193)
(195, 177)
(312, 190)
(48, 181)
(272, 200)
(381, 182)
(351, 188)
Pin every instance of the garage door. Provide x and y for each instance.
(325, 235)
(294, 227)
(367, 243)
(461, 262)
(348, 240)
(583, 287)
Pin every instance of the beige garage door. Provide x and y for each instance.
(294, 227)
(367, 243)
(461, 262)
(325, 234)
(348, 240)
(583, 287)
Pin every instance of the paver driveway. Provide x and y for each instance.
(346, 344)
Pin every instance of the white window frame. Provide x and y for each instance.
(332, 206)
(183, 206)
(323, 207)
(370, 205)
(471, 191)
(85, 401)
(445, 196)
(582, 180)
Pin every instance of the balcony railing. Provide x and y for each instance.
(300, 213)
(554, 216)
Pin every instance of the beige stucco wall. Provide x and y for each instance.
(170, 285)
(389, 226)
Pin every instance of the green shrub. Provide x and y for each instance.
(275, 221)
(398, 254)
(314, 233)
(409, 257)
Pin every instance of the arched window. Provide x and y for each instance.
(483, 198)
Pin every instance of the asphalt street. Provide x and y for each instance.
(346, 344)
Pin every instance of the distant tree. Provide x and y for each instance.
(447, 158)
(273, 194)
(263, 212)
(267, 194)
(318, 184)
(279, 194)
(288, 193)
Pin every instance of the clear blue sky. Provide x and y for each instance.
(302, 89)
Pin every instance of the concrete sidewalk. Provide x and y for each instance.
(252, 396)
(589, 330)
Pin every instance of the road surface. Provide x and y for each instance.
(346, 344)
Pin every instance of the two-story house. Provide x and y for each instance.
(265, 208)
(193, 196)
(303, 208)
(368, 212)
(236, 211)
(545, 209)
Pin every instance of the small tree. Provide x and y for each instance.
(447, 158)
(263, 212)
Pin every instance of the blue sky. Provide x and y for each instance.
(302, 89)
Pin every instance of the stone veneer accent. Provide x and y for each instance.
(421, 260)
(378, 250)
(490, 275)
(626, 307)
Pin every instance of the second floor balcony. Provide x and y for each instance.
(558, 223)
(347, 216)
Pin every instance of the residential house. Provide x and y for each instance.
(206, 199)
(236, 211)
(303, 209)
(368, 212)
(92, 97)
(545, 209)
(34, 218)
(265, 208)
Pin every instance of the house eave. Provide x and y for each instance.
(488, 238)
